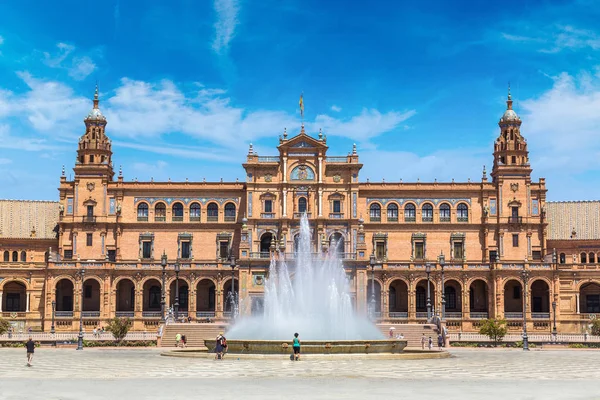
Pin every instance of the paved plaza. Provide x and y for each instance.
(144, 374)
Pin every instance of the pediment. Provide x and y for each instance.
(301, 142)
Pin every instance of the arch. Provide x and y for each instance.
(540, 296)
(589, 298)
(15, 256)
(91, 294)
(421, 295)
(302, 173)
(160, 212)
(177, 212)
(583, 258)
(6, 256)
(302, 205)
(462, 213)
(296, 243)
(562, 258)
(445, 212)
(427, 212)
(228, 296)
(410, 212)
(375, 212)
(398, 296)
(195, 212)
(478, 296)
(184, 294)
(64, 290)
(392, 212)
(206, 295)
(453, 295)
(142, 211)
(152, 295)
(336, 243)
(14, 297)
(23, 256)
(592, 258)
(265, 242)
(377, 296)
(125, 295)
(513, 296)
(230, 212)
(212, 212)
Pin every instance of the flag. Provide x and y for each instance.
(301, 103)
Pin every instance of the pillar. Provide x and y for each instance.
(27, 300)
(466, 302)
(320, 202)
(0, 301)
(412, 304)
(577, 303)
(320, 169)
(284, 202)
(284, 170)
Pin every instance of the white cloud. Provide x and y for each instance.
(336, 108)
(227, 19)
(556, 38)
(82, 68)
(55, 60)
(4, 161)
(78, 67)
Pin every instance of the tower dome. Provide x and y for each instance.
(95, 114)
(509, 115)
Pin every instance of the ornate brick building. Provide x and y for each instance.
(97, 251)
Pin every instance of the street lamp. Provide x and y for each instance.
(442, 261)
(372, 262)
(428, 271)
(176, 305)
(233, 296)
(52, 330)
(525, 275)
(80, 336)
(554, 261)
(163, 264)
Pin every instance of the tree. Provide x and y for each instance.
(4, 325)
(495, 329)
(119, 327)
(596, 327)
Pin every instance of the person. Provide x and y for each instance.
(296, 347)
(177, 339)
(95, 332)
(183, 341)
(189, 319)
(220, 347)
(400, 336)
(391, 333)
(430, 343)
(30, 345)
(423, 341)
(440, 342)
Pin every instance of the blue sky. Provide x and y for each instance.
(418, 86)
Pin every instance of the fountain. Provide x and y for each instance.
(310, 296)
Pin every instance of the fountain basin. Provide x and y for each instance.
(237, 346)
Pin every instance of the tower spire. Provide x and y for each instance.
(96, 101)
(509, 99)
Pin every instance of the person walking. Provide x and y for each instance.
(423, 341)
(30, 345)
(183, 341)
(296, 347)
(440, 342)
(430, 343)
(220, 347)
(177, 339)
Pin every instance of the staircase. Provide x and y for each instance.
(194, 333)
(412, 332)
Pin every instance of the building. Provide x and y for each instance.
(97, 251)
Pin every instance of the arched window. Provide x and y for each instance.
(230, 212)
(296, 243)
(23, 256)
(562, 258)
(142, 212)
(195, 212)
(302, 205)
(6, 256)
(583, 258)
(336, 243)
(450, 293)
(410, 213)
(592, 258)
(15, 256)
(212, 212)
(392, 212)
(160, 212)
(375, 212)
(462, 213)
(445, 213)
(427, 213)
(177, 212)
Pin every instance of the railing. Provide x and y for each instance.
(453, 314)
(348, 256)
(177, 218)
(89, 219)
(421, 314)
(375, 314)
(142, 219)
(427, 218)
(478, 315)
(160, 218)
(336, 215)
(540, 315)
(227, 314)
(268, 159)
(72, 336)
(261, 255)
(90, 314)
(515, 220)
(151, 314)
(229, 218)
(299, 215)
(513, 315)
(373, 218)
(195, 218)
(444, 219)
(205, 314)
(462, 219)
(123, 314)
(398, 315)
(590, 317)
(337, 159)
(13, 314)
(64, 314)
(270, 215)
(533, 337)
(410, 218)
(212, 218)
(392, 219)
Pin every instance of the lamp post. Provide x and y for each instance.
(163, 264)
(428, 271)
(52, 330)
(233, 296)
(80, 336)
(176, 305)
(372, 305)
(525, 275)
(442, 261)
(554, 261)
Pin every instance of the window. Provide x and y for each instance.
(458, 250)
(418, 246)
(23, 256)
(68, 254)
(380, 250)
(419, 250)
(421, 298)
(268, 206)
(195, 212)
(223, 250)
(302, 206)
(515, 240)
(445, 213)
(6, 256)
(410, 213)
(427, 213)
(562, 258)
(142, 212)
(112, 255)
(147, 249)
(450, 293)
(583, 258)
(90, 211)
(185, 250)
(70, 206)
(516, 292)
(87, 289)
(392, 213)
(88, 239)
(177, 212)
(337, 206)
(375, 212)
(462, 213)
(493, 255)
(15, 256)
(537, 255)
(229, 212)
(154, 297)
(513, 160)
(160, 212)
(212, 212)
(592, 258)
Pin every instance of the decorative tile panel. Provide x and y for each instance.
(418, 201)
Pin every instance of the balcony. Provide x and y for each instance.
(421, 315)
(91, 314)
(205, 314)
(64, 314)
(444, 218)
(268, 159)
(151, 314)
(125, 314)
(453, 314)
(267, 215)
(375, 218)
(478, 315)
(260, 255)
(194, 218)
(299, 215)
(347, 256)
(160, 218)
(89, 219)
(229, 218)
(337, 160)
(410, 218)
(392, 218)
(513, 315)
(399, 315)
(177, 218)
(427, 218)
(212, 218)
(462, 219)
(515, 220)
(142, 218)
(336, 215)
(540, 315)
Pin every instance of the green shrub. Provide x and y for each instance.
(4, 325)
(119, 327)
(596, 327)
(495, 329)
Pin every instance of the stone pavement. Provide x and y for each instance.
(143, 374)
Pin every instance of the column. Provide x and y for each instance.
(501, 245)
(466, 303)
(27, 299)
(0, 301)
(577, 303)
(284, 169)
(529, 245)
(320, 202)
(320, 169)
(284, 203)
(412, 304)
